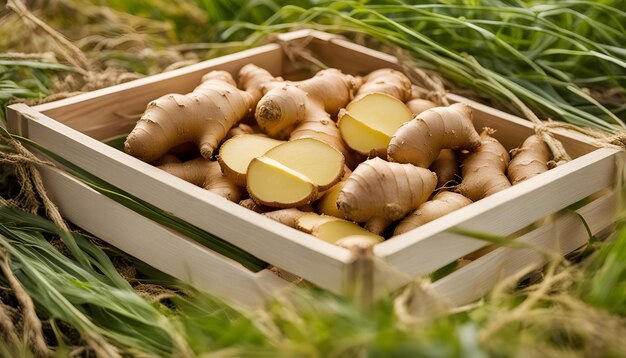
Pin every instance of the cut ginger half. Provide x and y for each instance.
(237, 153)
(368, 123)
(316, 160)
(274, 184)
(292, 173)
(335, 230)
(308, 221)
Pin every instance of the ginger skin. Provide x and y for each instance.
(529, 160)
(386, 81)
(203, 116)
(418, 105)
(379, 192)
(287, 216)
(446, 167)
(441, 204)
(206, 174)
(484, 170)
(420, 141)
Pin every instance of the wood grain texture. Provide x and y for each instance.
(563, 235)
(158, 246)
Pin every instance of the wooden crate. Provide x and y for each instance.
(531, 211)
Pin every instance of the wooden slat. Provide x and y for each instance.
(432, 246)
(564, 235)
(156, 245)
(105, 113)
(282, 246)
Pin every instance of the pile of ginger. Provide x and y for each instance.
(335, 155)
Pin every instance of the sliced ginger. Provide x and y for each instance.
(308, 221)
(368, 123)
(318, 161)
(237, 153)
(274, 184)
(337, 229)
(327, 204)
(292, 173)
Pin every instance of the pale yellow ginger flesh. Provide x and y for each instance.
(484, 171)
(203, 116)
(308, 221)
(441, 204)
(379, 192)
(529, 160)
(274, 184)
(206, 174)
(335, 230)
(327, 204)
(316, 160)
(237, 153)
(368, 123)
(420, 141)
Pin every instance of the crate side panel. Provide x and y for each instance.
(564, 235)
(434, 245)
(114, 110)
(154, 244)
(287, 248)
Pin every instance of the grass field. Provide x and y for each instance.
(68, 294)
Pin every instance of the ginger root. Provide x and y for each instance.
(441, 204)
(286, 105)
(418, 105)
(529, 160)
(379, 192)
(203, 116)
(420, 141)
(387, 81)
(304, 109)
(206, 174)
(446, 167)
(484, 170)
(287, 216)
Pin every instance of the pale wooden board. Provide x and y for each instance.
(104, 113)
(564, 235)
(282, 246)
(156, 245)
(432, 246)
